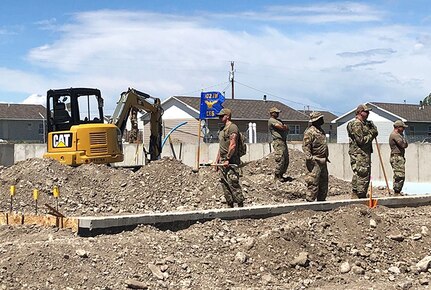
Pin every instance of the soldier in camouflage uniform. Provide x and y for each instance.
(229, 157)
(316, 156)
(361, 135)
(279, 136)
(398, 144)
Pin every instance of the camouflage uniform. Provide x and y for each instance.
(316, 156)
(361, 136)
(398, 145)
(279, 144)
(229, 176)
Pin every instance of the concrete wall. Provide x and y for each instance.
(418, 169)
(6, 154)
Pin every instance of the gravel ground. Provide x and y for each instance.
(349, 248)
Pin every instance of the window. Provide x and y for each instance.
(88, 108)
(41, 131)
(29, 126)
(294, 129)
(429, 130)
(412, 130)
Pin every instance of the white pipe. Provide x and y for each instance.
(254, 133)
(250, 133)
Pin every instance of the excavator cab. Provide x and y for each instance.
(74, 106)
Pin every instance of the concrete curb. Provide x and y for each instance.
(87, 225)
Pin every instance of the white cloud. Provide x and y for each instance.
(335, 12)
(166, 55)
(21, 81)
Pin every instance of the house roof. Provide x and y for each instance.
(22, 112)
(327, 116)
(250, 109)
(409, 112)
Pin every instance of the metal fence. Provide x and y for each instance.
(419, 138)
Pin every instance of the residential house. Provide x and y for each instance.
(22, 123)
(180, 109)
(417, 117)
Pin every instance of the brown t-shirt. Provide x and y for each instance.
(398, 143)
(224, 141)
(277, 134)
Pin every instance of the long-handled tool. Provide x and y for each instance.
(220, 165)
(383, 168)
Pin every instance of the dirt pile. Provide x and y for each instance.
(261, 172)
(164, 185)
(349, 248)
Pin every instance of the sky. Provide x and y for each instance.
(318, 55)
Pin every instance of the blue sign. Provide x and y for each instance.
(211, 104)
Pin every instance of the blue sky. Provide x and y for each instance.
(318, 54)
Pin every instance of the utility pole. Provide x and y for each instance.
(232, 79)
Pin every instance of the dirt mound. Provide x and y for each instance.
(262, 171)
(164, 185)
(348, 248)
(266, 164)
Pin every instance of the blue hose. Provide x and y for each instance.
(170, 132)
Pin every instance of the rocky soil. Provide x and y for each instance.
(163, 185)
(349, 248)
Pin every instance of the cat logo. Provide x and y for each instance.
(62, 140)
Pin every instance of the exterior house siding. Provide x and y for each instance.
(22, 130)
(187, 133)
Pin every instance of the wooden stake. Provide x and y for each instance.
(199, 146)
(12, 193)
(35, 197)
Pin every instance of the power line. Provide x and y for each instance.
(209, 87)
(278, 97)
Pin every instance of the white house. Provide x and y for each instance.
(417, 117)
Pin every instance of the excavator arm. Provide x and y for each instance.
(136, 100)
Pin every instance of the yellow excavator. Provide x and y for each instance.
(78, 134)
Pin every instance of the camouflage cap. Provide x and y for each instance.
(225, 111)
(399, 123)
(274, 110)
(314, 116)
(362, 108)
